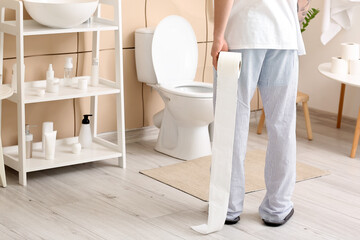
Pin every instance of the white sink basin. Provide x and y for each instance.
(61, 13)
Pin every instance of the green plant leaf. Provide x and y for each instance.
(309, 16)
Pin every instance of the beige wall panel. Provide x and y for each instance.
(133, 12)
(41, 45)
(106, 41)
(209, 71)
(210, 19)
(107, 106)
(193, 11)
(10, 14)
(8, 123)
(133, 17)
(152, 104)
(106, 37)
(133, 92)
(324, 92)
(201, 62)
(36, 67)
(60, 112)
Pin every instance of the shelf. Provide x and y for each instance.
(63, 155)
(352, 80)
(32, 28)
(105, 87)
(100, 148)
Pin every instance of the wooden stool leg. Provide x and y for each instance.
(341, 104)
(307, 120)
(2, 167)
(261, 122)
(356, 137)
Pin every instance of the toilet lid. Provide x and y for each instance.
(174, 51)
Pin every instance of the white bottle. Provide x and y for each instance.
(46, 127)
(85, 137)
(49, 78)
(95, 72)
(68, 70)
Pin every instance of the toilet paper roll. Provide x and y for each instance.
(350, 51)
(52, 85)
(339, 66)
(228, 73)
(40, 92)
(82, 83)
(354, 67)
(76, 148)
(53, 88)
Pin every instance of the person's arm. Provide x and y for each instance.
(222, 9)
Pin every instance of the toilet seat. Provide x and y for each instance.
(174, 51)
(191, 89)
(175, 59)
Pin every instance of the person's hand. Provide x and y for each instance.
(218, 46)
(303, 7)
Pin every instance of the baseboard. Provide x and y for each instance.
(134, 135)
(331, 115)
(152, 132)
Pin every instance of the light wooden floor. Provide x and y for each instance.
(102, 201)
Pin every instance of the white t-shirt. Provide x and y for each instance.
(264, 24)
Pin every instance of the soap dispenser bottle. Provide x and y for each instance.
(85, 137)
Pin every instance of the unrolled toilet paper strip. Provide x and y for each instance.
(339, 66)
(354, 67)
(350, 51)
(228, 73)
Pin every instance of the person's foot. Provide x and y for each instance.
(232, 222)
(277, 224)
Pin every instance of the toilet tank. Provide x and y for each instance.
(143, 55)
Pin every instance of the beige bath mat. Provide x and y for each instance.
(193, 177)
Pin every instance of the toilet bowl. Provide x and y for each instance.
(166, 60)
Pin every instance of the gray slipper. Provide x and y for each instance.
(232, 222)
(272, 224)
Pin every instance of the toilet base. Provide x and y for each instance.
(183, 142)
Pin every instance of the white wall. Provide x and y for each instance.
(324, 93)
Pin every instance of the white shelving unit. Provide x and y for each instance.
(101, 149)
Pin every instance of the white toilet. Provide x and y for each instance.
(166, 59)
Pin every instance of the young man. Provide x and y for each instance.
(267, 33)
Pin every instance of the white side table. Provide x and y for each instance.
(5, 92)
(351, 80)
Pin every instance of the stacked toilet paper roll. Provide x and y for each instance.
(354, 67)
(350, 51)
(349, 62)
(339, 66)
